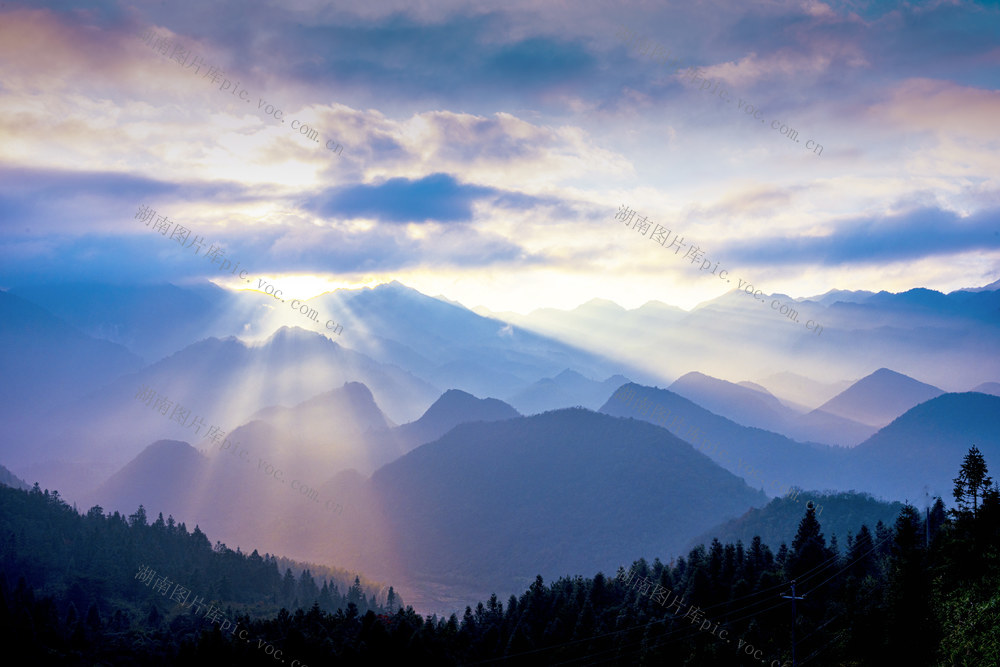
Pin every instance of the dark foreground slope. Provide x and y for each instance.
(69, 595)
(75, 585)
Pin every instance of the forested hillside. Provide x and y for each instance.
(100, 581)
(840, 513)
(923, 591)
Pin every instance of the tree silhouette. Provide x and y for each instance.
(809, 547)
(972, 482)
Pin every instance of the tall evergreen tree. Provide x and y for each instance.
(308, 592)
(912, 633)
(355, 595)
(288, 587)
(809, 546)
(139, 518)
(972, 482)
(861, 554)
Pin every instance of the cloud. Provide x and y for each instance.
(80, 202)
(434, 198)
(496, 131)
(916, 234)
(944, 108)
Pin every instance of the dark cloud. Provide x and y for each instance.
(32, 185)
(457, 56)
(925, 232)
(562, 63)
(395, 58)
(434, 198)
(31, 193)
(146, 256)
(480, 60)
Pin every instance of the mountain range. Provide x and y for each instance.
(582, 490)
(949, 340)
(373, 451)
(567, 389)
(758, 407)
(912, 456)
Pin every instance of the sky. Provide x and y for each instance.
(493, 152)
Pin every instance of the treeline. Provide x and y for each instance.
(924, 591)
(56, 565)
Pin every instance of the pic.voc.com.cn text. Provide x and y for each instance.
(181, 415)
(180, 595)
(696, 614)
(216, 253)
(661, 235)
(186, 59)
(693, 75)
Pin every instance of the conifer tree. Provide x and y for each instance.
(972, 483)
(809, 546)
(911, 628)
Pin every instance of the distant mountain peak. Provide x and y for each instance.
(988, 388)
(756, 406)
(992, 287)
(395, 286)
(288, 333)
(7, 478)
(457, 400)
(695, 377)
(888, 373)
(166, 446)
(571, 375)
(659, 305)
(599, 304)
(357, 396)
(880, 397)
(452, 408)
(756, 387)
(564, 390)
(358, 390)
(455, 395)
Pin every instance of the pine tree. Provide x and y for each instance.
(861, 554)
(972, 483)
(287, 588)
(938, 517)
(326, 599)
(139, 518)
(308, 592)
(911, 628)
(355, 594)
(809, 546)
(863, 595)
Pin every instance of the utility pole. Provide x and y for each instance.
(793, 598)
